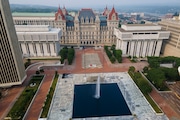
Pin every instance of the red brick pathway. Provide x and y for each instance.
(13, 93)
(33, 114)
(163, 104)
(37, 105)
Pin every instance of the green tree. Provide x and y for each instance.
(112, 59)
(145, 69)
(118, 55)
(157, 77)
(132, 69)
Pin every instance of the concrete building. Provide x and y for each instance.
(140, 40)
(38, 40)
(12, 71)
(171, 47)
(85, 29)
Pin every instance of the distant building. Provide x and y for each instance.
(140, 40)
(38, 40)
(12, 71)
(171, 47)
(85, 29)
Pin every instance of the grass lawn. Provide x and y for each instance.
(49, 98)
(22, 103)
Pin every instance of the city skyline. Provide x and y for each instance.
(93, 3)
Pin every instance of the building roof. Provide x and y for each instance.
(59, 13)
(36, 29)
(25, 14)
(103, 20)
(106, 11)
(86, 13)
(141, 28)
(69, 23)
(111, 14)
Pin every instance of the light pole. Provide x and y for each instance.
(84, 62)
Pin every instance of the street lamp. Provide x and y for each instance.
(84, 62)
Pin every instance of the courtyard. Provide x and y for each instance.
(62, 106)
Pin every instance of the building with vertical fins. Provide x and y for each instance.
(171, 47)
(86, 28)
(12, 71)
(140, 40)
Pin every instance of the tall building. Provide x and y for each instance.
(171, 47)
(86, 28)
(12, 70)
(140, 40)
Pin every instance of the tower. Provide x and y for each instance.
(60, 22)
(12, 71)
(112, 22)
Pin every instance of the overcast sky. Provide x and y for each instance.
(93, 3)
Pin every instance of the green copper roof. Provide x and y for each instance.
(33, 14)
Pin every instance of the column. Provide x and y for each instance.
(53, 53)
(132, 48)
(124, 47)
(38, 49)
(158, 48)
(144, 48)
(23, 47)
(138, 48)
(151, 42)
(31, 49)
(45, 49)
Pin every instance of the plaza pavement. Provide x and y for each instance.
(7, 102)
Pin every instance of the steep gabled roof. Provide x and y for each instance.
(112, 13)
(59, 12)
(105, 13)
(64, 11)
(86, 13)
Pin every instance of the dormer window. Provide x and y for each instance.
(113, 17)
(59, 17)
(82, 20)
(91, 20)
(87, 20)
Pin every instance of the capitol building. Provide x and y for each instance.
(86, 28)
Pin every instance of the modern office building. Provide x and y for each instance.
(140, 40)
(12, 71)
(38, 40)
(171, 47)
(86, 28)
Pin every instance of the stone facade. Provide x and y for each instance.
(84, 29)
(140, 40)
(38, 40)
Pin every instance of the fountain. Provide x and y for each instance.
(97, 94)
(98, 100)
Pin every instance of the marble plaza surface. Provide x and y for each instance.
(62, 103)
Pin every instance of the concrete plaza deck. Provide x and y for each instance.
(62, 103)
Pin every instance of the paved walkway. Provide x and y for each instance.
(38, 102)
(13, 93)
(7, 102)
(164, 105)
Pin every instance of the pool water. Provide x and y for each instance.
(110, 103)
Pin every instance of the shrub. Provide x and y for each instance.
(112, 59)
(157, 77)
(37, 72)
